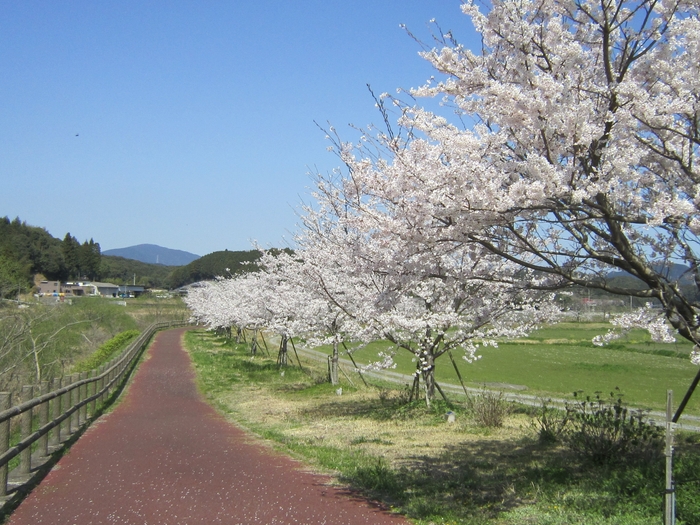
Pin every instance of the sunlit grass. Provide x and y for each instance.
(409, 458)
(557, 360)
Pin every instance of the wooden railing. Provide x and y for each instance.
(50, 414)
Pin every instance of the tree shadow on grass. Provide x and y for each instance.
(476, 478)
(479, 480)
(383, 410)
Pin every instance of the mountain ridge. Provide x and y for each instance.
(154, 254)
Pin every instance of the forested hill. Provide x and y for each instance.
(214, 265)
(27, 250)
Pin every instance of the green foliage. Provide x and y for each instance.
(105, 352)
(41, 342)
(605, 431)
(686, 466)
(549, 423)
(215, 264)
(476, 480)
(119, 270)
(601, 430)
(557, 359)
(14, 278)
(377, 477)
(81, 260)
(32, 248)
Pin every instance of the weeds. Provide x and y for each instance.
(489, 409)
(605, 431)
(549, 423)
(601, 430)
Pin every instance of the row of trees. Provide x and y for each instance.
(567, 153)
(81, 260)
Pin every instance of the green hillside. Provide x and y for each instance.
(214, 265)
(28, 250)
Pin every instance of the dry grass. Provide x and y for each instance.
(366, 420)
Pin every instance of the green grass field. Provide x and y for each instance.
(557, 360)
(407, 456)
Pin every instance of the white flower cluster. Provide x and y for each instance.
(648, 318)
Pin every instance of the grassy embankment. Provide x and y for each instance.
(410, 458)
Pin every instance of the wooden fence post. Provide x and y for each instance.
(65, 406)
(82, 395)
(92, 389)
(110, 376)
(25, 457)
(101, 385)
(56, 412)
(44, 419)
(5, 403)
(74, 400)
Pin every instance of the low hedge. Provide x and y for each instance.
(105, 352)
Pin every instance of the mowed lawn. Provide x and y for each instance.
(558, 360)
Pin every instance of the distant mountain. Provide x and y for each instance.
(154, 254)
(671, 271)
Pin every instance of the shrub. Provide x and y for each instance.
(549, 423)
(488, 408)
(105, 352)
(604, 431)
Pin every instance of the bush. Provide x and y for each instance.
(605, 431)
(489, 409)
(105, 352)
(601, 430)
(549, 423)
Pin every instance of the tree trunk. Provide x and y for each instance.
(428, 373)
(334, 364)
(282, 356)
(254, 343)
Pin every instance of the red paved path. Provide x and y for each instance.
(164, 456)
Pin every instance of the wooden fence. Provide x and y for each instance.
(48, 415)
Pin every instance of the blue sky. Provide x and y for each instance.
(191, 124)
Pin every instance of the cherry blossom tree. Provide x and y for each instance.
(427, 300)
(230, 302)
(570, 148)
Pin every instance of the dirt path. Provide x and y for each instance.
(164, 457)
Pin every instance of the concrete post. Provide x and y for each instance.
(670, 497)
